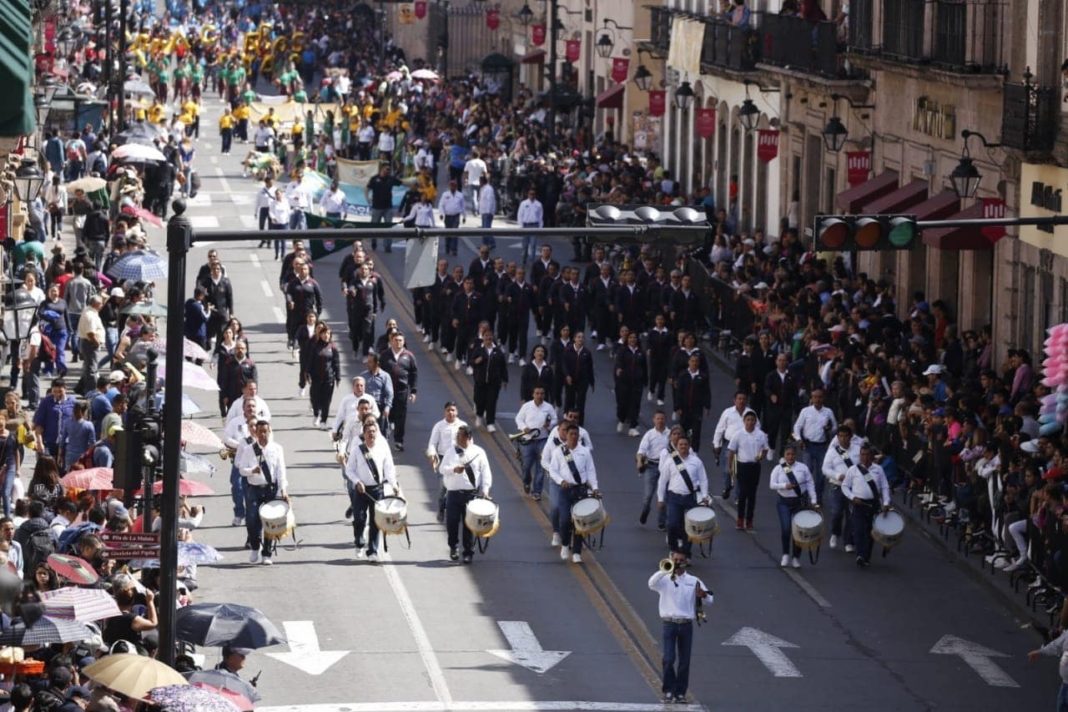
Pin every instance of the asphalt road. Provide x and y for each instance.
(414, 633)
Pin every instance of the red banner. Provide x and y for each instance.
(657, 102)
(3, 220)
(767, 145)
(858, 166)
(537, 34)
(993, 208)
(493, 19)
(620, 68)
(420, 9)
(574, 50)
(50, 36)
(705, 122)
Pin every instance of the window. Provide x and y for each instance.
(903, 28)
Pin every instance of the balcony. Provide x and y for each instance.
(801, 46)
(967, 36)
(659, 31)
(1029, 117)
(860, 25)
(728, 47)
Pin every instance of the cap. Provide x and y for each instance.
(78, 691)
(243, 652)
(118, 293)
(116, 376)
(1030, 446)
(118, 509)
(115, 429)
(939, 412)
(761, 285)
(933, 370)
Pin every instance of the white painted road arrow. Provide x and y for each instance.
(766, 648)
(977, 657)
(304, 653)
(526, 650)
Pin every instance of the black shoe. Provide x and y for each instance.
(526, 488)
(727, 492)
(644, 516)
(348, 513)
(669, 698)
(454, 555)
(680, 699)
(441, 517)
(661, 527)
(467, 558)
(399, 446)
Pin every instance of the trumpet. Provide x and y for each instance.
(525, 436)
(667, 566)
(227, 454)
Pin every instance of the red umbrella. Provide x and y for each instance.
(76, 570)
(186, 488)
(95, 478)
(142, 214)
(244, 703)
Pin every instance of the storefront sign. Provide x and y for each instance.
(657, 102)
(858, 166)
(767, 145)
(705, 122)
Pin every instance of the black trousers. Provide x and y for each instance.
(575, 399)
(398, 414)
(628, 402)
(227, 139)
(455, 508)
(463, 341)
(431, 320)
(363, 516)
(691, 422)
(748, 474)
(486, 395)
(448, 333)
(321, 392)
(776, 422)
(518, 336)
(862, 516)
(658, 374)
(264, 220)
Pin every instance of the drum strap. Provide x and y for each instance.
(570, 460)
(556, 441)
(802, 496)
(844, 454)
(467, 467)
(872, 485)
(370, 463)
(264, 468)
(683, 473)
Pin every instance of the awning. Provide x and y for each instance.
(534, 56)
(855, 198)
(16, 71)
(937, 207)
(960, 238)
(900, 200)
(611, 98)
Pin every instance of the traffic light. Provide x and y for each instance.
(844, 233)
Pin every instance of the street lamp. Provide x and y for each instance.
(966, 177)
(749, 114)
(525, 15)
(683, 96)
(835, 134)
(606, 42)
(28, 181)
(643, 78)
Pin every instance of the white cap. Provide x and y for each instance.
(933, 370)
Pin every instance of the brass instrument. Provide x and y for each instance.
(227, 454)
(668, 566)
(525, 437)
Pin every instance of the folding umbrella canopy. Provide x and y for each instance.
(193, 433)
(196, 465)
(89, 184)
(140, 266)
(425, 74)
(186, 488)
(190, 349)
(224, 681)
(243, 703)
(187, 698)
(193, 552)
(76, 570)
(132, 675)
(97, 479)
(217, 624)
(80, 604)
(145, 309)
(137, 87)
(141, 214)
(193, 376)
(46, 631)
(138, 153)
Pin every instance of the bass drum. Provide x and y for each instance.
(887, 529)
(588, 516)
(482, 517)
(701, 524)
(391, 515)
(807, 529)
(278, 519)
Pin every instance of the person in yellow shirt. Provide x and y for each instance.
(424, 183)
(192, 109)
(241, 115)
(297, 133)
(226, 130)
(271, 118)
(157, 114)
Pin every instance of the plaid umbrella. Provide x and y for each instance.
(194, 433)
(186, 698)
(224, 681)
(139, 266)
(77, 571)
(95, 478)
(243, 703)
(45, 631)
(80, 604)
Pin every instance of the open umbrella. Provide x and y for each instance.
(97, 479)
(193, 376)
(145, 309)
(243, 703)
(76, 570)
(132, 675)
(139, 266)
(80, 604)
(193, 433)
(223, 680)
(216, 624)
(192, 464)
(89, 184)
(142, 214)
(186, 488)
(138, 153)
(193, 552)
(137, 87)
(190, 349)
(425, 74)
(189, 406)
(187, 698)
(46, 631)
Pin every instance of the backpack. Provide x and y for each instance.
(37, 550)
(69, 538)
(47, 352)
(100, 166)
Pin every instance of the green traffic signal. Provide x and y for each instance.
(845, 233)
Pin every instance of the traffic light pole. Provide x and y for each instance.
(1050, 221)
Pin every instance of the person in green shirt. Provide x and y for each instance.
(197, 79)
(249, 95)
(30, 250)
(300, 96)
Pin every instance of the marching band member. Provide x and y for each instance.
(573, 470)
(866, 487)
(744, 453)
(813, 428)
(238, 434)
(552, 444)
(792, 481)
(263, 464)
(841, 455)
(346, 422)
(654, 442)
(730, 422)
(465, 472)
(680, 595)
(682, 484)
(538, 415)
(443, 439)
(369, 468)
(574, 415)
(248, 393)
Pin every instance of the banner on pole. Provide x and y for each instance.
(767, 145)
(705, 122)
(620, 68)
(657, 102)
(858, 166)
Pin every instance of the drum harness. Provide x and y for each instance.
(273, 486)
(876, 497)
(482, 543)
(681, 467)
(802, 498)
(595, 541)
(373, 468)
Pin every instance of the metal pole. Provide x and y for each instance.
(628, 231)
(553, 8)
(123, 12)
(445, 43)
(994, 222)
(179, 239)
(109, 56)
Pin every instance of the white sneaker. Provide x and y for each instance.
(674, 416)
(660, 401)
(620, 427)
(304, 392)
(576, 558)
(989, 558)
(556, 539)
(600, 347)
(1016, 565)
(649, 396)
(785, 561)
(850, 548)
(315, 421)
(565, 552)
(511, 358)
(323, 425)
(373, 558)
(834, 541)
(478, 421)
(254, 557)
(361, 555)
(448, 356)
(522, 362)
(491, 428)
(444, 351)
(634, 432)
(593, 334)
(267, 561)
(470, 371)
(426, 339)
(1002, 563)
(237, 522)
(795, 562)
(456, 365)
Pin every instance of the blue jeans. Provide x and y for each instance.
(554, 509)
(787, 507)
(566, 498)
(60, 341)
(650, 478)
(839, 514)
(677, 640)
(73, 339)
(9, 488)
(237, 492)
(1062, 698)
(530, 244)
(111, 340)
(677, 506)
(812, 456)
(533, 475)
(297, 220)
(487, 223)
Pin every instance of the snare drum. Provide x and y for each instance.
(391, 515)
(887, 529)
(807, 529)
(278, 519)
(482, 517)
(701, 524)
(588, 516)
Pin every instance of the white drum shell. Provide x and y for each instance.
(701, 523)
(887, 529)
(278, 519)
(588, 515)
(480, 516)
(807, 529)
(391, 515)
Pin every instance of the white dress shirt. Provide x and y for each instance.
(678, 597)
(531, 212)
(671, 479)
(297, 195)
(560, 472)
(276, 463)
(422, 214)
(236, 434)
(653, 443)
(442, 437)
(552, 445)
(333, 201)
(451, 203)
(356, 468)
(834, 462)
(279, 211)
(347, 411)
(730, 422)
(237, 409)
(855, 485)
(815, 425)
(749, 446)
(781, 483)
(472, 456)
(531, 416)
(487, 200)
